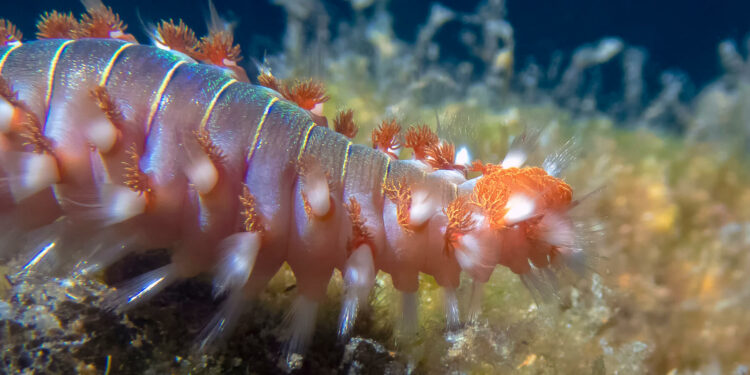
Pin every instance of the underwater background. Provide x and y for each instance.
(656, 98)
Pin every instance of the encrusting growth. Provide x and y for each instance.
(57, 25)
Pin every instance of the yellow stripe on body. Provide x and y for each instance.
(260, 126)
(156, 101)
(212, 104)
(51, 74)
(5, 56)
(111, 64)
(385, 176)
(346, 162)
(304, 142)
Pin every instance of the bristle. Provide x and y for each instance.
(111, 247)
(57, 25)
(251, 220)
(344, 124)
(240, 251)
(385, 137)
(400, 194)
(555, 163)
(307, 94)
(460, 221)
(409, 318)
(422, 207)
(103, 133)
(314, 187)
(7, 112)
(135, 178)
(9, 34)
(32, 172)
(521, 148)
(475, 301)
(139, 289)
(266, 79)
(420, 138)
(177, 37)
(100, 21)
(6, 91)
(222, 323)
(119, 203)
(299, 327)
(452, 320)
(359, 277)
(214, 152)
(360, 233)
(107, 105)
(9, 104)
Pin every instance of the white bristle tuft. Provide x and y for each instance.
(462, 156)
(6, 115)
(557, 162)
(316, 191)
(359, 277)
(120, 203)
(520, 208)
(37, 172)
(422, 208)
(139, 289)
(240, 251)
(203, 174)
(452, 320)
(222, 323)
(299, 328)
(520, 149)
(409, 318)
(102, 134)
(475, 301)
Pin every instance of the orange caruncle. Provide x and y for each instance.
(497, 185)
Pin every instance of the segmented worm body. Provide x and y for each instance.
(109, 146)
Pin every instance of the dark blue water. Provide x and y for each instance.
(679, 34)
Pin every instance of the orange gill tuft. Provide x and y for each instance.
(420, 138)
(178, 37)
(344, 124)
(56, 25)
(385, 137)
(9, 34)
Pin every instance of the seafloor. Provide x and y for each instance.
(665, 215)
